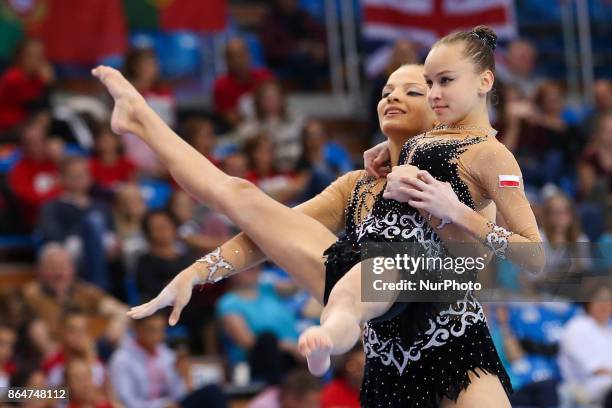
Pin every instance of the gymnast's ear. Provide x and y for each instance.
(486, 82)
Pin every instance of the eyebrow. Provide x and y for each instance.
(447, 71)
(405, 84)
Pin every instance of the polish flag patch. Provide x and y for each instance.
(508, 180)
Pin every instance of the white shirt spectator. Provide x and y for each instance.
(586, 347)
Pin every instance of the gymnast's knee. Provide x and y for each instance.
(232, 191)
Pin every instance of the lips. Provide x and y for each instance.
(391, 110)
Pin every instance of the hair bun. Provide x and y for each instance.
(486, 34)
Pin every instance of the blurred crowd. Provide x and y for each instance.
(110, 229)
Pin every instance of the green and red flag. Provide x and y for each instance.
(167, 15)
(73, 31)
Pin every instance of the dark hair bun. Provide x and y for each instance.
(486, 34)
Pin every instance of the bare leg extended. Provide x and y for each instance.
(341, 322)
(292, 240)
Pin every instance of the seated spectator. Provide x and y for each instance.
(518, 68)
(32, 378)
(83, 391)
(298, 390)
(258, 327)
(282, 186)
(144, 372)
(200, 133)
(602, 90)
(129, 211)
(76, 343)
(56, 288)
(23, 86)
(36, 344)
(162, 262)
(164, 259)
(8, 337)
(343, 390)
(294, 44)
(108, 165)
(83, 224)
(142, 70)
(567, 247)
(34, 180)
(241, 79)
(595, 166)
(322, 160)
(272, 117)
(543, 141)
(585, 354)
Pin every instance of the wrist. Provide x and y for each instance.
(197, 273)
(456, 212)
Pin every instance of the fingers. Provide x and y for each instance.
(176, 312)
(146, 309)
(426, 177)
(414, 183)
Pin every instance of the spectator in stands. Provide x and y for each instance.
(35, 344)
(23, 86)
(602, 90)
(164, 259)
(160, 264)
(83, 224)
(258, 327)
(76, 343)
(142, 69)
(241, 79)
(57, 288)
(294, 44)
(343, 390)
(32, 378)
(144, 372)
(129, 211)
(34, 180)
(200, 133)
(108, 165)
(8, 337)
(272, 117)
(298, 390)
(282, 186)
(518, 68)
(585, 353)
(322, 160)
(563, 240)
(543, 141)
(83, 391)
(595, 166)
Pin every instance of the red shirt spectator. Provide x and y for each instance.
(229, 89)
(17, 89)
(34, 182)
(240, 79)
(23, 84)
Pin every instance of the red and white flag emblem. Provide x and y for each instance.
(508, 180)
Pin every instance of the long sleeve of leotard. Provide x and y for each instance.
(495, 170)
(240, 252)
